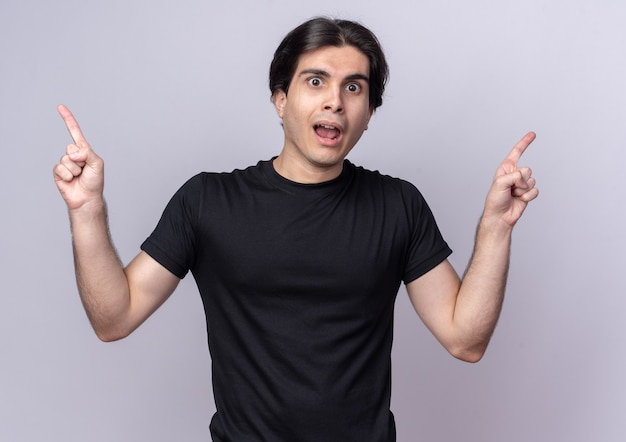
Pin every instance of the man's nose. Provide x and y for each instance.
(333, 101)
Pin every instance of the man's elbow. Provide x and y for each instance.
(110, 334)
(109, 337)
(471, 355)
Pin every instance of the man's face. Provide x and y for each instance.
(324, 114)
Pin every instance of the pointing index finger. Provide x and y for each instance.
(520, 147)
(72, 126)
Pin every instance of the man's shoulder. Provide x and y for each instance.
(376, 176)
(204, 178)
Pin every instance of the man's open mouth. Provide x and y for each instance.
(327, 131)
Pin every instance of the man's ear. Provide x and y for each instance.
(280, 100)
(369, 117)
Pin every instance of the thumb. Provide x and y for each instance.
(73, 151)
(516, 179)
(82, 155)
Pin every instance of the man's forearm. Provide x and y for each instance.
(482, 289)
(101, 280)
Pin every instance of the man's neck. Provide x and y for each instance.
(303, 172)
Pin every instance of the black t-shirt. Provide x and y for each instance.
(298, 283)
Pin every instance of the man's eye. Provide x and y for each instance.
(353, 87)
(315, 81)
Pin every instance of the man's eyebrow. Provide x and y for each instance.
(323, 73)
(319, 72)
(358, 77)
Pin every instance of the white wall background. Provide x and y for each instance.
(166, 89)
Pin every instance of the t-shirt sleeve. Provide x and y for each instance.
(172, 243)
(427, 248)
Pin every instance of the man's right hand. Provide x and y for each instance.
(79, 175)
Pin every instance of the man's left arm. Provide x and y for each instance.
(462, 314)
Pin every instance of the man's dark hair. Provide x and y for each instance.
(319, 32)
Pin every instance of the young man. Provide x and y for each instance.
(299, 259)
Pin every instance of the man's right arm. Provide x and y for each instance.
(117, 299)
